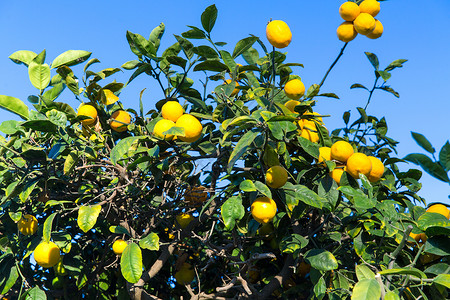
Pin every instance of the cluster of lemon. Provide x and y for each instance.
(173, 115)
(359, 19)
(354, 163)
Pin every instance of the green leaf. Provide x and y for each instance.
(240, 148)
(432, 168)
(130, 65)
(40, 125)
(303, 194)
(438, 245)
(385, 75)
(150, 242)
(247, 186)
(405, 271)
(156, 35)
(15, 106)
(122, 147)
(422, 141)
(312, 91)
(176, 60)
(209, 17)
(71, 161)
(131, 263)
(194, 33)
(373, 59)
(251, 56)
(363, 272)
(442, 279)
(293, 243)
(12, 277)
(35, 294)
(118, 230)
(358, 86)
(444, 156)
(390, 90)
(231, 211)
(211, 65)
(434, 223)
(23, 57)
(39, 75)
(309, 147)
(54, 92)
(87, 216)
(10, 126)
(56, 117)
(321, 260)
(205, 51)
(243, 45)
(395, 64)
(263, 189)
(142, 45)
(71, 58)
(186, 46)
(47, 231)
(366, 289)
(391, 295)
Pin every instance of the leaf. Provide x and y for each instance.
(434, 223)
(142, 45)
(35, 294)
(442, 279)
(444, 156)
(406, 271)
(56, 117)
(231, 211)
(15, 106)
(71, 58)
(23, 57)
(373, 59)
(391, 295)
(39, 75)
(312, 91)
(329, 95)
(71, 161)
(243, 45)
(194, 33)
(150, 242)
(54, 92)
(385, 75)
(396, 64)
(390, 90)
(205, 51)
(363, 272)
(186, 46)
(108, 97)
(209, 17)
(211, 65)
(130, 65)
(240, 148)
(87, 216)
(432, 168)
(47, 231)
(156, 35)
(122, 147)
(11, 277)
(304, 194)
(422, 141)
(293, 243)
(176, 60)
(263, 189)
(321, 260)
(366, 289)
(438, 245)
(119, 230)
(10, 126)
(131, 263)
(358, 86)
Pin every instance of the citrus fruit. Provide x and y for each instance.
(336, 174)
(294, 89)
(184, 219)
(291, 104)
(196, 195)
(309, 130)
(440, 209)
(172, 110)
(364, 23)
(87, 110)
(346, 32)
(46, 254)
(371, 7)
(59, 268)
(185, 274)
(276, 177)
(377, 32)
(349, 11)
(162, 126)
(324, 154)
(377, 169)
(263, 209)
(341, 151)
(120, 120)
(358, 163)
(192, 128)
(118, 246)
(27, 225)
(278, 34)
(314, 115)
(236, 90)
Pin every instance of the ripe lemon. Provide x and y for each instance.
(309, 130)
(185, 275)
(263, 209)
(336, 174)
(440, 209)
(324, 154)
(120, 120)
(236, 90)
(278, 34)
(341, 151)
(162, 126)
(27, 225)
(377, 32)
(118, 246)
(358, 163)
(294, 89)
(87, 110)
(346, 32)
(371, 7)
(192, 128)
(276, 177)
(46, 254)
(349, 11)
(377, 169)
(184, 219)
(59, 268)
(364, 23)
(315, 116)
(291, 104)
(172, 110)
(196, 195)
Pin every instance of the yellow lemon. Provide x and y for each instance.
(172, 110)
(276, 177)
(162, 126)
(364, 23)
(346, 32)
(87, 110)
(371, 7)
(27, 225)
(377, 32)
(46, 254)
(192, 128)
(120, 120)
(263, 209)
(336, 174)
(358, 163)
(294, 89)
(341, 151)
(309, 130)
(184, 219)
(324, 154)
(440, 209)
(377, 169)
(291, 104)
(349, 11)
(278, 34)
(118, 246)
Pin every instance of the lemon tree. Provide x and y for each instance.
(227, 185)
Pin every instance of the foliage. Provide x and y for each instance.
(89, 186)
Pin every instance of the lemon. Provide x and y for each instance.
(324, 154)
(162, 126)
(358, 163)
(185, 275)
(27, 225)
(364, 23)
(377, 32)
(341, 151)
(87, 110)
(46, 254)
(192, 128)
(120, 120)
(371, 7)
(291, 104)
(336, 174)
(349, 11)
(440, 209)
(377, 169)
(276, 177)
(172, 110)
(279, 34)
(184, 219)
(263, 209)
(118, 246)
(294, 89)
(346, 32)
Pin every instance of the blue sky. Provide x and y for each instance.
(414, 30)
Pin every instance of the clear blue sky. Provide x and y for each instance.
(415, 30)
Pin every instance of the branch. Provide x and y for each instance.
(276, 282)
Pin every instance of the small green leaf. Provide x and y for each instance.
(408, 271)
(395, 64)
(321, 260)
(211, 65)
(391, 295)
(444, 156)
(390, 90)
(209, 17)
(434, 223)
(156, 35)
(247, 186)
(358, 86)
(122, 147)
(293, 243)
(39, 75)
(11, 276)
(54, 92)
(303, 194)
(71, 58)
(240, 148)
(15, 106)
(71, 161)
(150, 242)
(142, 45)
(231, 211)
(243, 45)
(131, 263)
(23, 57)
(87, 216)
(442, 279)
(385, 75)
(363, 272)
(47, 231)
(35, 294)
(118, 230)
(423, 142)
(373, 59)
(432, 168)
(366, 289)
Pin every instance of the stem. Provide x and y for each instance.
(394, 254)
(332, 65)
